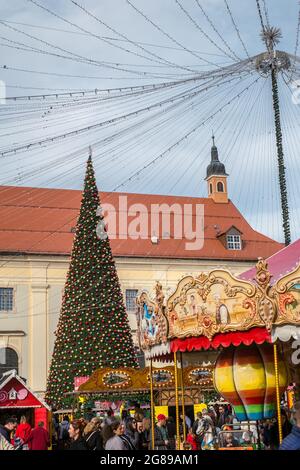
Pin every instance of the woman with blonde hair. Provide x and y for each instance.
(23, 432)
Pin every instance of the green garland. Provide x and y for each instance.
(280, 159)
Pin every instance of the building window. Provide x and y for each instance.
(220, 187)
(131, 295)
(234, 242)
(6, 298)
(8, 360)
(210, 188)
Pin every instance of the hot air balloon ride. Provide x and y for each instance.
(245, 377)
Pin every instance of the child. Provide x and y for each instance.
(191, 439)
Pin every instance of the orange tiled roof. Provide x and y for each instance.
(40, 221)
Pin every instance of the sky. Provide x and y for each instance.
(138, 153)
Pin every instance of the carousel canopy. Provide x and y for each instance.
(279, 264)
(282, 263)
(216, 310)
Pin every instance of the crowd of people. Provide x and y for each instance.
(212, 428)
(110, 433)
(16, 435)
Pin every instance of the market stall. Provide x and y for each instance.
(17, 399)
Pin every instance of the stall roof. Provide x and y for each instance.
(24, 396)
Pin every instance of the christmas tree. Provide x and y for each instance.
(93, 329)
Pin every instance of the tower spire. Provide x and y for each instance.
(216, 176)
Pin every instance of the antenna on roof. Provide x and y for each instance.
(213, 137)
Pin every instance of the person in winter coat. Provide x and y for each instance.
(9, 427)
(286, 429)
(171, 426)
(39, 438)
(131, 432)
(23, 432)
(115, 438)
(161, 436)
(221, 417)
(75, 432)
(143, 433)
(292, 441)
(63, 434)
(191, 439)
(92, 435)
(4, 444)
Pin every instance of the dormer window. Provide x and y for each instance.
(234, 242)
(220, 187)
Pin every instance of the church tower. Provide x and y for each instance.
(216, 177)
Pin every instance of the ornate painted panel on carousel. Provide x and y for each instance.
(287, 293)
(211, 304)
(127, 379)
(151, 319)
(218, 309)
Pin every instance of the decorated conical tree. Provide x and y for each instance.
(93, 329)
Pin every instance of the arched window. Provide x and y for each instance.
(8, 360)
(210, 188)
(220, 187)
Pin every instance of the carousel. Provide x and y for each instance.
(246, 328)
(237, 337)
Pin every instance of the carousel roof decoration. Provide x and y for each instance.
(152, 321)
(218, 310)
(162, 378)
(285, 268)
(280, 263)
